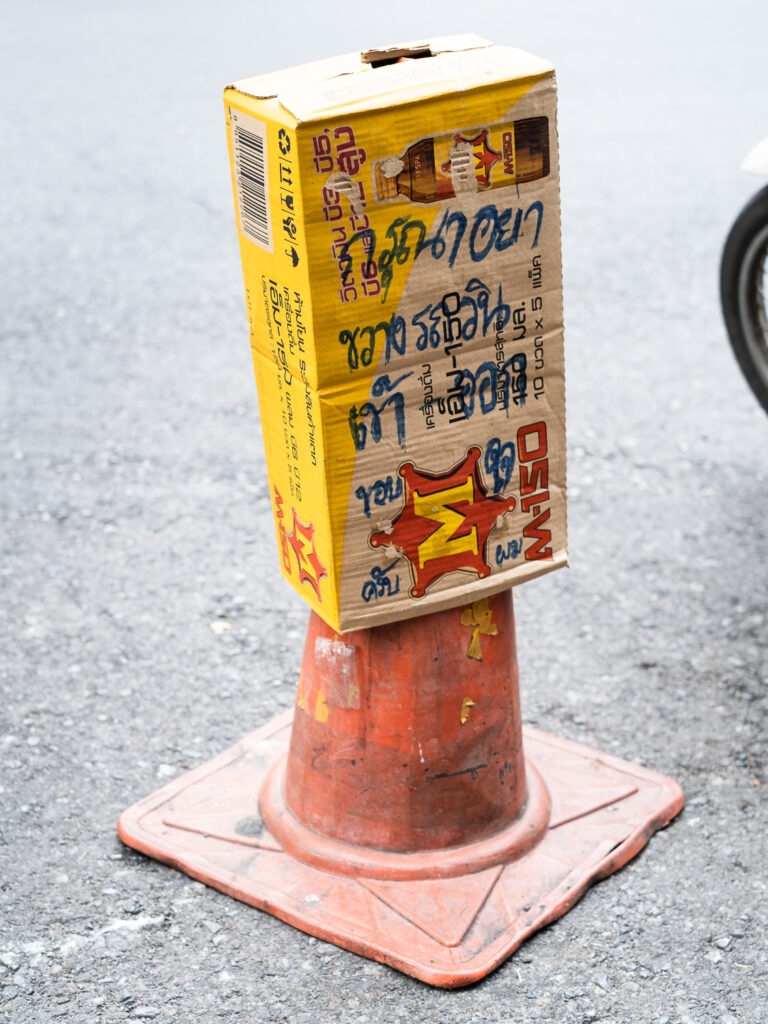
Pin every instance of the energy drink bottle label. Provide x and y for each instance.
(444, 166)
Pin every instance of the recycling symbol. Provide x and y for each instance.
(284, 142)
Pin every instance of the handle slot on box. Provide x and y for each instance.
(392, 54)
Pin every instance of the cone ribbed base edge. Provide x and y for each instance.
(446, 931)
(327, 854)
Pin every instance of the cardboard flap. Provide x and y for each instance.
(424, 48)
(382, 77)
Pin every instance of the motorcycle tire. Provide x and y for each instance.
(744, 292)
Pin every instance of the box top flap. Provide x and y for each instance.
(392, 75)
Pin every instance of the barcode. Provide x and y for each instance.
(249, 139)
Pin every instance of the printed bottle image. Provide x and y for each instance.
(456, 163)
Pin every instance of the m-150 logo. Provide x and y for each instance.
(300, 540)
(445, 523)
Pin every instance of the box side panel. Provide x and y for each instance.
(457, 420)
(405, 303)
(266, 185)
(365, 247)
(291, 419)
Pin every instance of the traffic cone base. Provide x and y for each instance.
(341, 858)
(449, 925)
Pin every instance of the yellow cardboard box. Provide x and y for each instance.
(399, 224)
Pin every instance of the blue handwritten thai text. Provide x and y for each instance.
(499, 463)
(380, 583)
(360, 429)
(381, 492)
(510, 553)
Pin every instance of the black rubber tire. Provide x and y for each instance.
(744, 292)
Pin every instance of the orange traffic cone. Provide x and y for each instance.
(407, 815)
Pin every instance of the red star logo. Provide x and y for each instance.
(282, 533)
(485, 157)
(445, 522)
(302, 540)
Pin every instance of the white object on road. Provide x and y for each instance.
(756, 160)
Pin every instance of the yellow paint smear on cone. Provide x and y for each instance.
(466, 705)
(478, 615)
(321, 707)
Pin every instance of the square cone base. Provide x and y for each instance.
(444, 931)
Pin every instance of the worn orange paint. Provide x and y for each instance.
(392, 827)
(400, 771)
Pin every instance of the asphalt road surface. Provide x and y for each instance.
(136, 514)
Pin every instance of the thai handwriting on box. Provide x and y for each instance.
(417, 356)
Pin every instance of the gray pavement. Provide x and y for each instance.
(135, 513)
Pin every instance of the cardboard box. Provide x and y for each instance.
(399, 223)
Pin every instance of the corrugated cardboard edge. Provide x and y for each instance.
(567, 562)
(455, 596)
(269, 86)
(344, 84)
